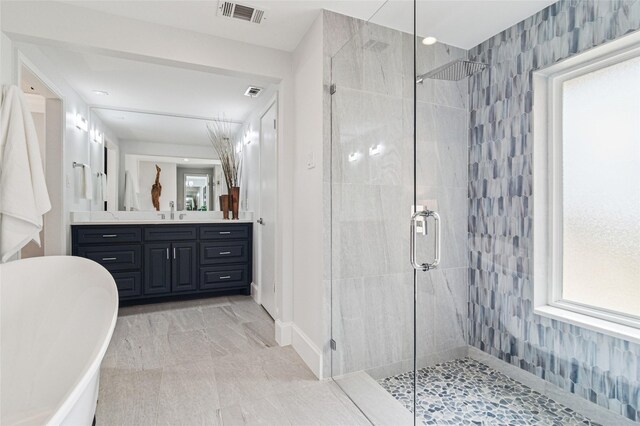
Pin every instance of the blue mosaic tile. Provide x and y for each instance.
(601, 369)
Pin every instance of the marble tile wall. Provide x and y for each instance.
(368, 201)
(601, 369)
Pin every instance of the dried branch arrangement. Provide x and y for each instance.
(229, 150)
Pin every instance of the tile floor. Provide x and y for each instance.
(211, 362)
(467, 392)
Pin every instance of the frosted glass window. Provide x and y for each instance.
(601, 188)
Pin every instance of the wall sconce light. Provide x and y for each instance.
(82, 123)
(97, 136)
(354, 156)
(375, 150)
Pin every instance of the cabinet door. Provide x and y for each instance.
(129, 284)
(184, 267)
(157, 269)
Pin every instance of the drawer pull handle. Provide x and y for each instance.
(225, 252)
(109, 258)
(226, 277)
(225, 232)
(109, 235)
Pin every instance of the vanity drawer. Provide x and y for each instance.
(114, 257)
(108, 234)
(169, 233)
(224, 252)
(212, 278)
(225, 232)
(129, 284)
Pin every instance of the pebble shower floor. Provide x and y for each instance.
(466, 392)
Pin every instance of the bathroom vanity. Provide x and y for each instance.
(153, 262)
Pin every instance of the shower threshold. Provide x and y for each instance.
(467, 392)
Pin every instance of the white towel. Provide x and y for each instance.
(102, 187)
(87, 183)
(23, 191)
(130, 193)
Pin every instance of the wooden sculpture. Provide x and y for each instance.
(156, 190)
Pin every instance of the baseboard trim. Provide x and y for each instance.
(255, 293)
(308, 351)
(593, 411)
(283, 332)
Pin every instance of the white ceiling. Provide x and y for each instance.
(136, 87)
(462, 23)
(140, 86)
(151, 87)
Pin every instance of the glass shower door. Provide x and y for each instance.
(398, 185)
(372, 191)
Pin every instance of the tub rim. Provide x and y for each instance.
(72, 397)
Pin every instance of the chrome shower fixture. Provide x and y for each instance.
(453, 71)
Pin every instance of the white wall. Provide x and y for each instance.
(96, 154)
(76, 144)
(6, 60)
(60, 24)
(308, 338)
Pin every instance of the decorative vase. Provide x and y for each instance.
(224, 206)
(235, 201)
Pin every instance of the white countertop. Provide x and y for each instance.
(161, 222)
(153, 218)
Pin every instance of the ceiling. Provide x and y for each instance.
(144, 99)
(145, 86)
(462, 23)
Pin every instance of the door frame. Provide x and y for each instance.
(57, 233)
(273, 103)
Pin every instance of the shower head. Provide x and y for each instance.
(453, 71)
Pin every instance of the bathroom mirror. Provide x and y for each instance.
(178, 145)
(189, 183)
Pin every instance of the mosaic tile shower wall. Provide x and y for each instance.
(602, 369)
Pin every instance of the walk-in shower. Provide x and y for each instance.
(429, 326)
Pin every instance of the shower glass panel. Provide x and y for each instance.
(441, 186)
(399, 298)
(372, 192)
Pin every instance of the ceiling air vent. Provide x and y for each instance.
(253, 92)
(241, 11)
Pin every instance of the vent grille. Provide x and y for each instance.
(241, 11)
(253, 91)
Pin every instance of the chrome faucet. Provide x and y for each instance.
(173, 208)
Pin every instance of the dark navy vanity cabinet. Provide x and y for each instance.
(158, 262)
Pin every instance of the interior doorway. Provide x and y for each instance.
(267, 221)
(46, 107)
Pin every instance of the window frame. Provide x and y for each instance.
(548, 189)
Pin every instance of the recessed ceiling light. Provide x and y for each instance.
(101, 93)
(185, 159)
(428, 41)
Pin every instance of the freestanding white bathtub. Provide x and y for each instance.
(57, 316)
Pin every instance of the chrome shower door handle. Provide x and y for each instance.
(426, 214)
